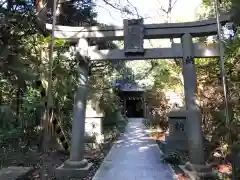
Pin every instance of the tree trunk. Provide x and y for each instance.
(1, 96)
(18, 105)
(48, 135)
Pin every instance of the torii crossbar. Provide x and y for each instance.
(151, 31)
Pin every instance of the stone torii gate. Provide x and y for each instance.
(133, 33)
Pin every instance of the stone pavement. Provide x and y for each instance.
(134, 157)
(13, 172)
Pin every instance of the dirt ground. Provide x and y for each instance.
(51, 161)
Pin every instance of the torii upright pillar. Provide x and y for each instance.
(194, 131)
(194, 128)
(77, 166)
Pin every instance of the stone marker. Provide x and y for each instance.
(15, 173)
(133, 36)
(177, 138)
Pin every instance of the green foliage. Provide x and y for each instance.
(57, 42)
(24, 46)
(20, 2)
(232, 6)
(210, 95)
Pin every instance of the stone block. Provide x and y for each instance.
(74, 173)
(133, 36)
(173, 146)
(15, 173)
(177, 138)
(199, 172)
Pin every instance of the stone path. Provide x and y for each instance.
(134, 157)
(12, 173)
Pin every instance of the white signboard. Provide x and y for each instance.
(93, 128)
(93, 123)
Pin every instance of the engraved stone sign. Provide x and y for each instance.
(189, 60)
(133, 36)
(177, 138)
(179, 126)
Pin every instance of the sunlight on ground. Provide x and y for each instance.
(155, 135)
(142, 149)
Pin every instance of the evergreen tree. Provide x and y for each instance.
(77, 13)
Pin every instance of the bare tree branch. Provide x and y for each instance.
(107, 11)
(123, 9)
(135, 8)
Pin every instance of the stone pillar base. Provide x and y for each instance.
(73, 169)
(199, 172)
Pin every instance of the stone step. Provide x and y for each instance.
(15, 173)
